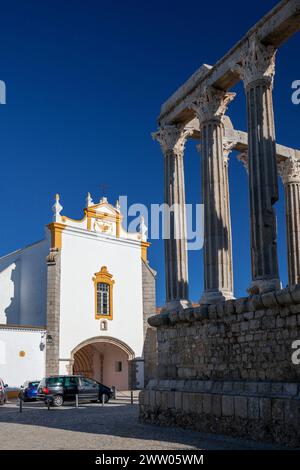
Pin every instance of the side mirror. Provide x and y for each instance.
(5, 386)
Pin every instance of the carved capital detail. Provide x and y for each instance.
(243, 158)
(172, 138)
(258, 62)
(228, 146)
(289, 170)
(211, 104)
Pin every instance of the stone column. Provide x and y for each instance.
(227, 149)
(257, 71)
(172, 141)
(53, 311)
(218, 283)
(289, 170)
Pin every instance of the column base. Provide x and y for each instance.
(214, 297)
(176, 305)
(260, 286)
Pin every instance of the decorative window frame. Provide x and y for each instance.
(104, 277)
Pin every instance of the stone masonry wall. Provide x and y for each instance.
(53, 311)
(149, 307)
(231, 366)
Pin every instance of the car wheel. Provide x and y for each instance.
(2, 402)
(58, 400)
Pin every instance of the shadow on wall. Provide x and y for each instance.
(10, 293)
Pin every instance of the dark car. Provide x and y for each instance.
(3, 395)
(60, 388)
(29, 390)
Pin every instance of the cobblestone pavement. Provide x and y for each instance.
(92, 426)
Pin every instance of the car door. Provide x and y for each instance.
(89, 389)
(70, 387)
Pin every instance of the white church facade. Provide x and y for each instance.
(78, 301)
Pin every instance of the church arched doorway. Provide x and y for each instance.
(104, 359)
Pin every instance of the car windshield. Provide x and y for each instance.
(33, 384)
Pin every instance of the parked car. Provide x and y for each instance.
(60, 388)
(3, 394)
(29, 390)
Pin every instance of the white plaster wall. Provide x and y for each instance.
(82, 256)
(23, 286)
(15, 370)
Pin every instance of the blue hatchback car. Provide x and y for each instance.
(30, 390)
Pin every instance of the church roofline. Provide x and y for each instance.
(19, 250)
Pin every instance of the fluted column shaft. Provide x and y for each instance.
(258, 73)
(218, 279)
(292, 208)
(290, 174)
(172, 140)
(263, 187)
(228, 219)
(175, 245)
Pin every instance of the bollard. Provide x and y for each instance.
(114, 392)
(131, 396)
(76, 400)
(21, 403)
(103, 399)
(48, 405)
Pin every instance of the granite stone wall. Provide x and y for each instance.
(149, 308)
(228, 368)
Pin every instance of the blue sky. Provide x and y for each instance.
(85, 81)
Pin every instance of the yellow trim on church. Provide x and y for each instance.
(56, 230)
(144, 249)
(103, 276)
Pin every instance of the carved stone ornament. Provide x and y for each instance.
(243, 158)
(289, 170)
(257, 62)
(172, 138)
(211, 104)
(228, 146)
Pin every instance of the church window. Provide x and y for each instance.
(102, 299)
(103, 283)
(118, 366)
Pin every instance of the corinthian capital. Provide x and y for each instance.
(258, 62)
(211, 104)
(289, 170)
(228, 146)
(172, 138)
(243, 158)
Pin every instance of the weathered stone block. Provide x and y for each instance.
(277, 409)
(178, 400)
(207, 405)
(227, 405)
(253, 408)
(216, 405)
(265, 409)
(240, 407)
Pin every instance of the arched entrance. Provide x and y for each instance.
(104, 359)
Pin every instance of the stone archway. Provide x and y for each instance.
(105, 359)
